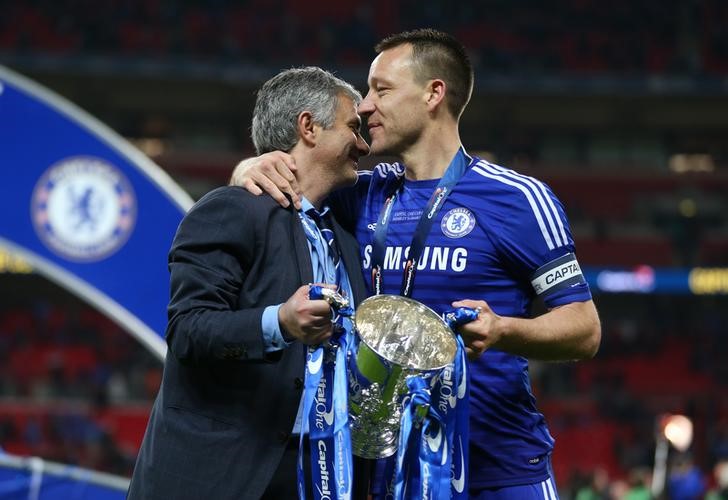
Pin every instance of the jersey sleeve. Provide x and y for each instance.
(535, 239)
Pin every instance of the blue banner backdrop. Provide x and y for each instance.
(85, 208)
(31, 478)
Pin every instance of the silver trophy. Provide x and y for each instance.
(396, 337)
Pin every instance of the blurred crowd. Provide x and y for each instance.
(685, 482)
(530, 36)
(659, 355)
(628, 220)
(74, 387)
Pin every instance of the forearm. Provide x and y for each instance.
(568, 332)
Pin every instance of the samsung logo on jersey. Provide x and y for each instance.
(433, 258)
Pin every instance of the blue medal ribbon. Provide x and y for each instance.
(343, 466)
(460, 316)
(434, 458)
(325, 411)
(458, 427)
(461, 425)
(415, 408)
(312, 378)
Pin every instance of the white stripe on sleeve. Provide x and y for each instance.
(543, 198)
(529, 197)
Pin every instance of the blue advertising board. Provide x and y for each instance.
(85, 208)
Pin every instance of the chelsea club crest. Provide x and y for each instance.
(83, 209)
(457, 223)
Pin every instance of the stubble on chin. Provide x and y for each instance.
(380, 148)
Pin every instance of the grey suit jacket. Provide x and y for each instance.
(225, 409)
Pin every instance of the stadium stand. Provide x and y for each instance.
(593, 100)
(75, 388)
(527, 37)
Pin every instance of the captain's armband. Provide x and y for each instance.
(558, 274)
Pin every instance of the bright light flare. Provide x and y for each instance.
(678, 429)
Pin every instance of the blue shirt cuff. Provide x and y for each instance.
(272, 336)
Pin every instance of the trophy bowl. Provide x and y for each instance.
(396, 337)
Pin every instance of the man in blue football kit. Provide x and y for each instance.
(440, 226)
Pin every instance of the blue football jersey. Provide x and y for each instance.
(501, 237)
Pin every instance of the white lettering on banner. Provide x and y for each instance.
(434, 258)
(553, 277)
(446, 393)
(342, 485)
(323, 468)
(320, 407)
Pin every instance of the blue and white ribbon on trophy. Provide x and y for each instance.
(461, 425)
(326, 409)
(432, 454)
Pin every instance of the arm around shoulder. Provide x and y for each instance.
(272, 173)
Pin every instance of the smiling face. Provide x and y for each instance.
(395, 105)
(340, 146)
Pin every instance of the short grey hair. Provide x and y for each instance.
(285, 96)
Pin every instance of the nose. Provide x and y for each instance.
(366, 106)
(361, 146)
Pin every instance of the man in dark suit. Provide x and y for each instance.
(240, 316)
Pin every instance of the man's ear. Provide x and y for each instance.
(307, 129)
(435, 94)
